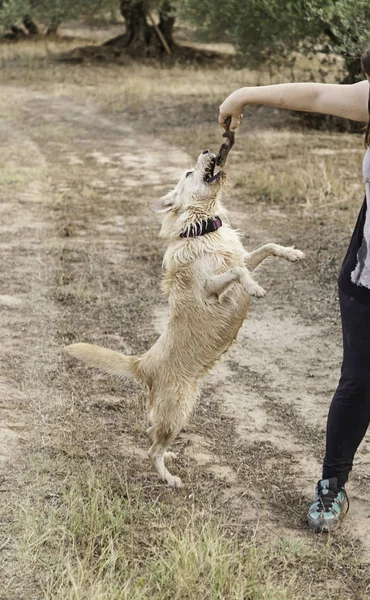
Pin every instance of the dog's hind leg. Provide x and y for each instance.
(253, 259)
(150, 433)
(163, 435)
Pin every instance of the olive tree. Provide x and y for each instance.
(142, 34)
(271, 30)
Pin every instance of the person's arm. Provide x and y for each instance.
(347, 101)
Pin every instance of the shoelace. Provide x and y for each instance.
(326, 500)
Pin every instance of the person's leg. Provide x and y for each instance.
(348, 417)
(349, 413)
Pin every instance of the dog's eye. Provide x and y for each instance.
(188, 173)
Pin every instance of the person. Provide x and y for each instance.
(349, 413)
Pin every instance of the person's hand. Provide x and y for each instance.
(231, 107)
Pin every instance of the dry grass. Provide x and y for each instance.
(100, 540)
(81, 535)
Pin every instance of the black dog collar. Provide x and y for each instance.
(203, 227)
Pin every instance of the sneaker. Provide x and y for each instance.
(325, 512)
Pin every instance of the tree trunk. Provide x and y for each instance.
(167, 20)
(140, 38)
(147, 35)
(30, 25)
(52, 28)
(354, 70)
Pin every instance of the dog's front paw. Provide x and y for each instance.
(253, 289)
(292, 254)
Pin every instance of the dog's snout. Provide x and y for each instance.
(206, 151)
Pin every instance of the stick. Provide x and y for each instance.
(160, 35)
(226, 146)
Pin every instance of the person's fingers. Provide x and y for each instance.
(226, 120)
(235, 122)
(222, 120)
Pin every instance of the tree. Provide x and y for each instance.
(26, 13)
(143, 36)
(148, 23)
(14, 15)
(266, 31)
(149, 26)
(270, 30)
(346, 23)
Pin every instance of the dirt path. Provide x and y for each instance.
(81, 261)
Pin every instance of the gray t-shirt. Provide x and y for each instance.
(361, 274)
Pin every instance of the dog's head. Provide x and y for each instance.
(197, 195)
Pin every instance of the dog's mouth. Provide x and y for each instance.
(209, 174)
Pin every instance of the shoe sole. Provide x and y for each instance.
(323, 528)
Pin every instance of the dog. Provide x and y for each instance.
(209, 283)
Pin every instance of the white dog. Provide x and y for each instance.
(209, 284)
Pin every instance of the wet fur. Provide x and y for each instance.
(209, 285)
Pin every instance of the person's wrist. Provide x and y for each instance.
(240, 98)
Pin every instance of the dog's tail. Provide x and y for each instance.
(108, 360)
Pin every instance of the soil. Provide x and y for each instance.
(81, 261)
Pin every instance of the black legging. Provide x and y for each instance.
(349, 413)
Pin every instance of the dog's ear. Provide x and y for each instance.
(165, 204)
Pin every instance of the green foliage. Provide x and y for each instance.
(346, 21)
(270, 30)
(12, 12)
(259, 29)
